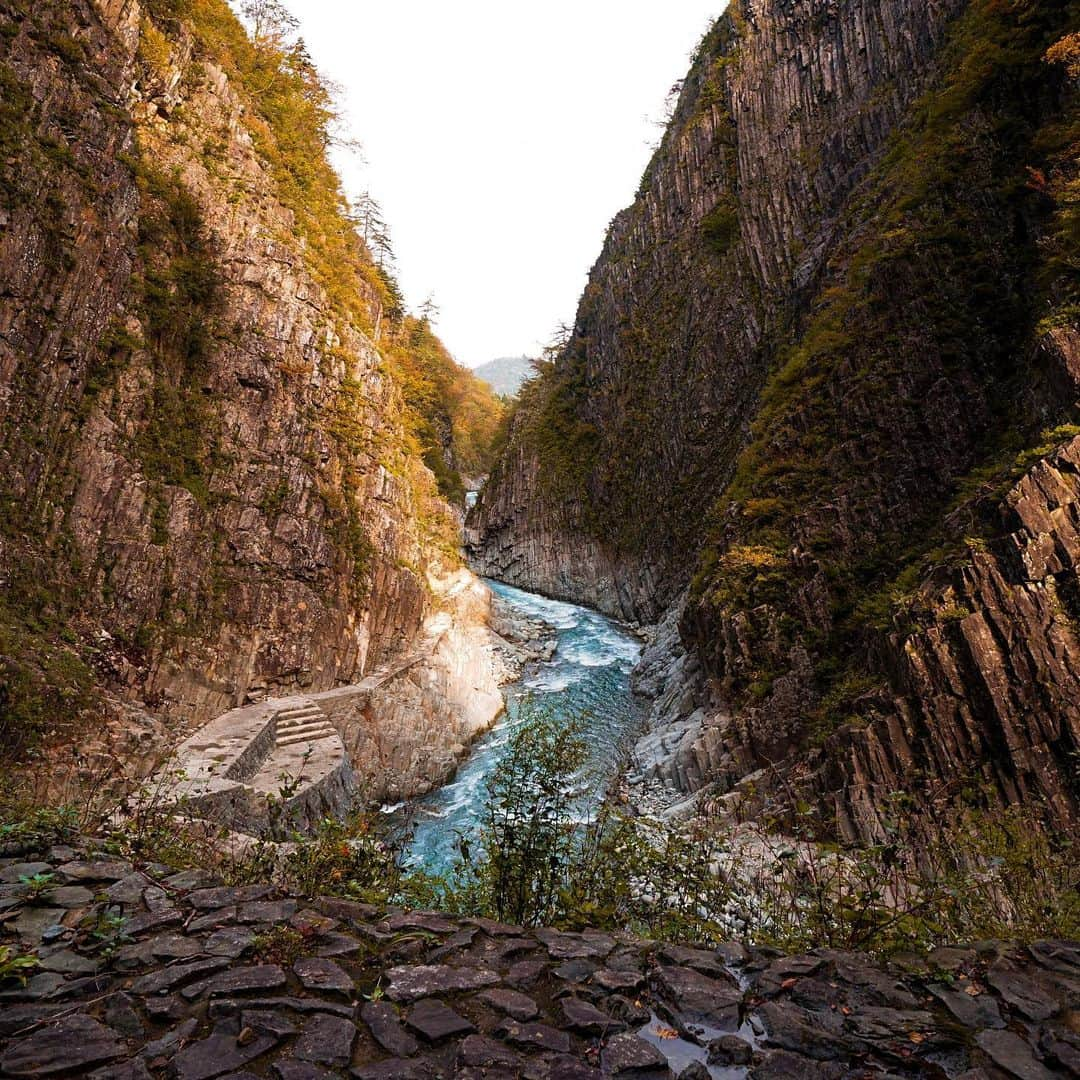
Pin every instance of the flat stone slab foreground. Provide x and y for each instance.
(202, 981)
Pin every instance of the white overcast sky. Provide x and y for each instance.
(501, 137)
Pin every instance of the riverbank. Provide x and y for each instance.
(586, 676)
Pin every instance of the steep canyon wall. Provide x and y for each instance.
(209, 493)
(816, 410)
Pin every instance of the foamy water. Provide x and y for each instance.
(589, 676)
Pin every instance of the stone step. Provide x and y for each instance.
(290, 726)
(306, 729)
(299, 713)
(300, 721)
(309, 737)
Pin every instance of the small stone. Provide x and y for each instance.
(317, 973)
(526, 973)
(539, 1036)
(632, 1013)
(164, 1046)
(212, 920)
(575, 971)
(480, 1052)
(514, 1004)
(511, 946)
(1009, 1052)
(266, 911)
(169, 1007)
(71, 896)
(127, 1070)
(410, 983)
(628, 1053)
(32, 924)
(68, 962)
(231, 941)
(399, 1069)
(701, 999)
(1022, 993)
(706, 963)
(65, 1045)
(238, 980)
(337, 945)
(11, 873)
(186, 880)
(121, 1016)
(100, 870)
(421, 920)
(495, 929)
(129, 889)
(382, 1019)
(16, 1018)
(730, 1050)
(153, 920)
(587, 1019)
(791, 1028)
(327, 1040)
(973, 1011)
(783, 1065)
(222, 1007)
(299, 1070)
(267, 1022)
(311, 922)
(436, 1021)
(695, 1071)
(158, 982)
(223, 896)
(175, 947)
(616, 981)
(45, 984)
(563, 1067)
(217, 1055)
(562, 946)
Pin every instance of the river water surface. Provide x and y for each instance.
(588, 676)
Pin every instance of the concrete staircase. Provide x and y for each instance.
(303, 724)
(285, 749)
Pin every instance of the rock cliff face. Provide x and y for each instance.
(813, 416)
(652, 398)
(208, 494)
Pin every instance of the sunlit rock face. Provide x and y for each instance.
(800, 421)
(205, 474)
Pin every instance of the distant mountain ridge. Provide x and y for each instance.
(506, 374)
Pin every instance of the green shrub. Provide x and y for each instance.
(720, 226)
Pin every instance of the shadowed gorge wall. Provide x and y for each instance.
(822, 362)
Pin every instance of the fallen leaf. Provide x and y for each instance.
(846, 1010)
(787, 984)
(973, 990)
(916, 1037)
(666, 1033)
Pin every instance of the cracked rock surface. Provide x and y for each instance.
(145, 972)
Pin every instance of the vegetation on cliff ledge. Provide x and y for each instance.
(963, 256)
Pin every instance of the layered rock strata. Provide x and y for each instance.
(813, 420)
(208, 493)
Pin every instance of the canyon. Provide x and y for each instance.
(815, 422)
(810, 455)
